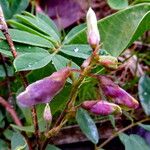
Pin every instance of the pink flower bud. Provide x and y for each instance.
(101, 107)
(86, 62)
(88, 104)
(109, 62)
(92, 29)
(44, 90)
(117, 94)
(47, 113)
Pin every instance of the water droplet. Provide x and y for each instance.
(29, 65)
(76, 50)
(145, 93)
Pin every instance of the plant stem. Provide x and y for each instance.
(36, 126)
(15, 118)
(4, 29)
(122, 130)
(11, 111)
(74, 90)
(64, 116)
(7, 77)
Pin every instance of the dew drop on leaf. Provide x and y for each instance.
(76, 50)
(29, 65)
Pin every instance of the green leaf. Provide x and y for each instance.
(28, 38)
(52, 147)
(18, 142)
(42, 72)
(133, 142)
(3, 145)
(30, 129)
(60, 100)
(40, 25)
(26, 28)
(13, 7)
(10, 71)
(27, 114)
(8, 134)
(145, 126)
(74, 32)
(20, 48)
(119, 30)
(60, 62)
(117, 4)
(23, 128)
(49, 22)
(32, 61)
(77, 50)
(87, 90)
(87, 125)
(144, 93)
(26, 13)
(139, 1)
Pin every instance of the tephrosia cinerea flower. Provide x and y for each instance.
(47, 114)
(101, 107)
(109, 62)
(44, 90)
(117, 94)
(92, 29)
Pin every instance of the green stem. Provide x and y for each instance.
(74, 91)
(122, 130)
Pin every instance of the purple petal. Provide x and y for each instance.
(44, 90)
(117, 94)
(101, 107)
(105, 108)
(88, 104)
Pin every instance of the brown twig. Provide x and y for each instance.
(14, 116)
(4, 29)
(121, 131)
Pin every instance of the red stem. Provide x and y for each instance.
(11, 111)
(4, 30)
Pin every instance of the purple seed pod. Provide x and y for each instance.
(117, 94)
(44, 90)
(101, 107)
(47, 113)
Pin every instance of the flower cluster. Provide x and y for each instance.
(43, 91)
(115, 94)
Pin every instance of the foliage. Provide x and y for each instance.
(41, 51)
